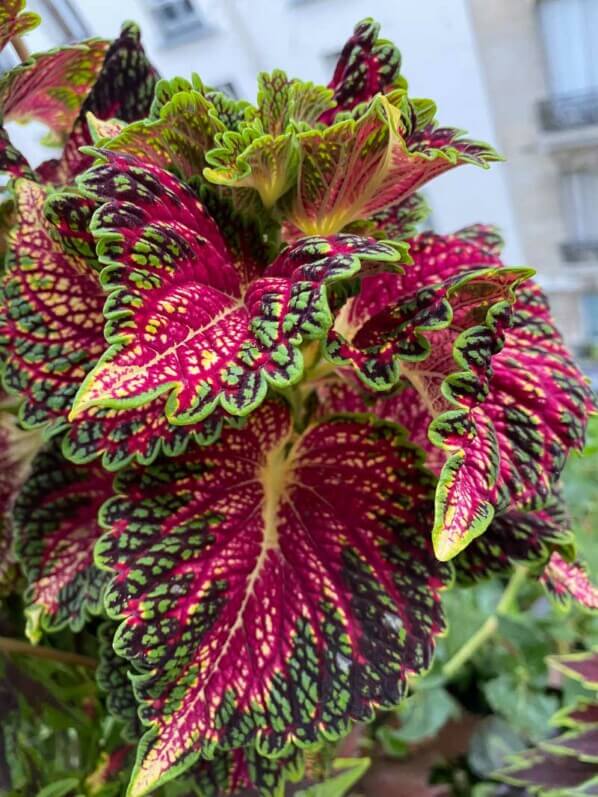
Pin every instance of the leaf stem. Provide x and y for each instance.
(20, 48)
(490, 625)
(9, 645)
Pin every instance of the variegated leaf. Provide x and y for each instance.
(581, 666)
(179, 134)
(235, 772)
(52, 86)
(208, 549)
(13, 162)
(51, 330)
(15, 21)
(124, 88)
(505, 413)
(367, 65)
(120, 436)
(358, 167)
(544, 772)
(284, 102)
(566, 581)
(179, 323)
(254, 159)
(263, 154)
(56, 528)
(113, 679)
(401, 220)
(516, 536)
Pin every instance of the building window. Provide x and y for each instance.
(570, 32)
(580, 200)
(66, 18)
(177, 19)
(227, 88)
(590, 316)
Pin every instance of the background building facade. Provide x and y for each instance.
(521, 74)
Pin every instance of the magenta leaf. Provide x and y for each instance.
(401, 220)
(51, 331)
(338, 519)
(124, 89)
(120, 436)
(566, 581)
(15, 21)
(516, 537)
(179, 322)
(580, 666)
(582, 714)
(12, 161)
(504, 400)
(540, 770)
(367, 66)
(583, 744)
(52, 86)
(56, 528)
(567, 764)
(484, 236)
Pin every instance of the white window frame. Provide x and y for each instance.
(188, 26)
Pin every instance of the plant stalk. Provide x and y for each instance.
(490, 625)
(20, 48)
(8, 645)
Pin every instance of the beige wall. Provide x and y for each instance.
(511, 54)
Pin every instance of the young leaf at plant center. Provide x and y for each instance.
(17, 449)
(252, 159)
(367, 65)
(358, 167)
(257, 518)
(178, 321)
(124, 88)
(263, 153)
(179, 137)
(56, 528)
(283, 101)
(15, 21)
(566, 581)
(51, 329)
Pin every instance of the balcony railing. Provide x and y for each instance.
(570, 110)
(579, 251)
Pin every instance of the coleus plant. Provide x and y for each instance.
(565, 765)
(252, 417)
